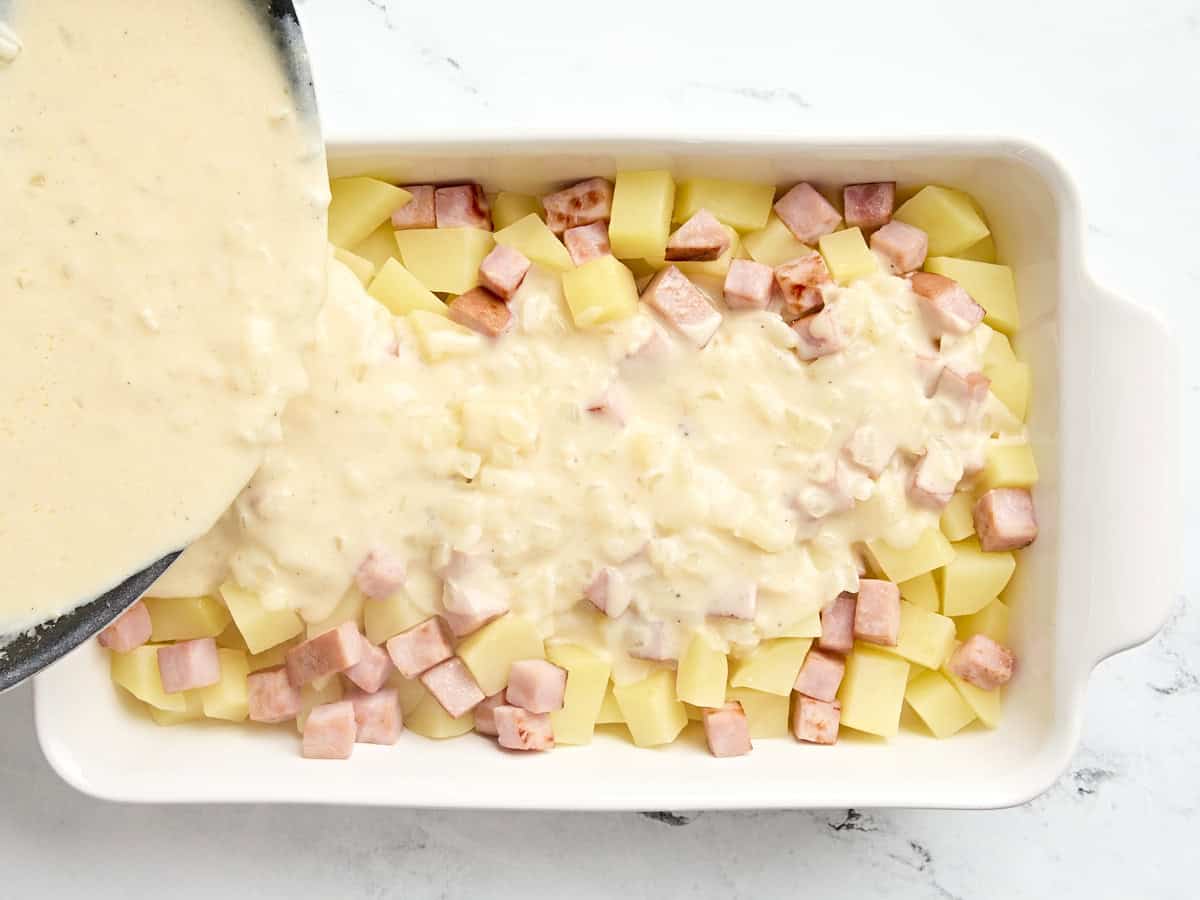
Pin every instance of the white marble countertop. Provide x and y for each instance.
(1109, 88)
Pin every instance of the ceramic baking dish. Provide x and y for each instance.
(1100, 579)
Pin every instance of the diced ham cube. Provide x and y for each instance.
(380, 574)
(748, 284)
(609, 591)
(481, 310)
(815, 721)
(419, 212)
(700, 238)
(581, 204)
(652, 641)
(727, 730)
(503, 270)
(536, 685)
(129, 630)
(983, 662)
(420, 648)
(877, 613)
(869, 205)
(462, 206)
(655, 347)
(806, 213)
(271, 697)
(828, 498)
(329, 731)
(800, 280)
(904, 246)
(453, 686)
(372, 670)
(189, 664)
(587, 242)
(520, 729)
(485, 713)
(821, 675)
(739, 601)
(947, 307)
(613, 403)
(331, 651)
(468, 609)
(377, 716)
(837, 625)
(929, 370)
(682, 305)
(965, 393)
(819, 335)
(870, 449)
(936, 476)
(1005, 520)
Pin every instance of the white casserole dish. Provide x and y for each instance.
(1100, 579)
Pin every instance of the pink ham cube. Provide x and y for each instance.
(462, 206)
(947, 307)
(331, 651)
(806, 213)
(609, 592)
(727, 730)
(871, 449)
(272, 698)
(189, 664)
(815, 721)
(420, 648)
(481, 310)
(377, 717)
(904, 246)
(682, 305)
(485, 714)
(468, 605)
(966, 394)
(837, 625)
(877, 613)
(700, 238)
(748, 284)
(935, 478)
(869, 205)
(372, 670)
(587, 242)
(801, 281)
(453, 686)
(581, 204)
(821, 675)
(419, 212)
(983, 662)
(735, 601)
(818, 336)
(1005, 520)
(503, 270)
(329, 731)
(380, 574)
(536, 685)
(520, 729)
(128, 631)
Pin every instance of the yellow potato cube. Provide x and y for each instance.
(650, 708)
(1007, 465)
(641, 214)
(958, 518)
(400, 291)
(508, 207)
(766, 714)
(714, 268)
(999, 352)
(922, 591)
(383, 619)
(808, 627)
(363, 269)
(940, 706)
(744, 205)
(192, 711)
(926, 638)
(610, 710)
(490, 651)
(260, 627)
(1011, 384)
(185, 618)
(990, 285)
(982, 251)
(702, 673)
(429, 719)
(445, 259)
(439, 338)
(985, 704)
(231, 638)
(531, 236)
(694, 713)
(318, 693)
(348, 609)
(992, 620)
(600, 291)
(772, 667)
(587, 683)
(847, 255)
(931, 551)
(271, 657)
(410, 690)
(947, 216)
(971, 580)
(379, 247)
(358, 205)
(228, 699)
(137, 672)
(872, 691)
(774, 244)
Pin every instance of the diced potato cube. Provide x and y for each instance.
(641, 214)
(600, 291)
(439, 338)
(380, 246)
(767, 714)
(992, 620)
(1011, 384)
(348, 609)
(1007, 465)
(490, 651)
(702, 673)
(508, 207)
(137, 672)
(610, 710)
(358, 205)
(872, 692)
(772, 667)
(940, 706)
(260, 627)
(971, 580)
(230, 638)
(587, 683)
(990, 285)
(985, 704)
(228, 698)
(193, 711)
(774, 244)
(847, 255)
(958, 521)
(715, 268)
(808, 627)
(926, 638)
(650, 708)
(316, 693)
(531, 236)
(445, 259)
(931, 551)
(947, 216)
(401, 292)
(429, 719)
(694, 713)
(185, 618)
(744, 205)
(271, 657)
(410, 691)
(983, 251)
(999, 351)
(383, 619)
(922, 591)
(363, 269)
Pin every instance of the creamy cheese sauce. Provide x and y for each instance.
(161, 263)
